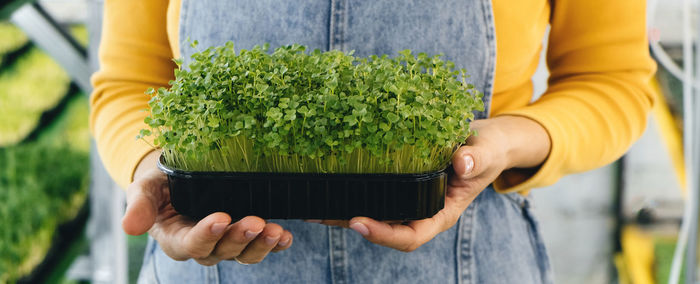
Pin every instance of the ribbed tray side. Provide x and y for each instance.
(307, 196)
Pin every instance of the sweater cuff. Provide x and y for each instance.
(137, 154)
(123, 159)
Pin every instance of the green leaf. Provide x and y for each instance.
(392, 117)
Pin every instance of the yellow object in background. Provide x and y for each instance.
(671, 136)
(636, 263)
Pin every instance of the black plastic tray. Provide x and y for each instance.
(305, 195)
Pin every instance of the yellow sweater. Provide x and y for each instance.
(595, 106)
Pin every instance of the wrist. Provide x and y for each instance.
(523, 141)
(147, 163)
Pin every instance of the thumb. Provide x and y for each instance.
(467, 162)
(144, 198)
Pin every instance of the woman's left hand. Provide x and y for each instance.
(502, 143)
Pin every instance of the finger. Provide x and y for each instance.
(262, 245)
(237, 237)
(144, 198)
(410, 236)
(285, 242)
(199, 241)
(401, 237)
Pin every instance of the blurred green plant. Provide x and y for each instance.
(30, 86)
(80, 33)
(12, 39)
(42, 184)
(664, 247)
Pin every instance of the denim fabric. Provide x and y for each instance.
(496, 239)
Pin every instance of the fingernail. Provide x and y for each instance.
(269, 240)
(249, 235)
(360, 228)
(469, 164)
(317, 221)
(283, 243)
(218, 228)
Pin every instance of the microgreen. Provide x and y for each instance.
(298, 111)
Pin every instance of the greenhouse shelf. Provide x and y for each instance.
(103, 237)
(46, 33)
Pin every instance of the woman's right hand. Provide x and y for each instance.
(208, 241)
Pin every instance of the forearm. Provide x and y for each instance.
(598, 96)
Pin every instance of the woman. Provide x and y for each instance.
(594, 108)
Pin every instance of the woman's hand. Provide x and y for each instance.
(208, 241)
(502, 143)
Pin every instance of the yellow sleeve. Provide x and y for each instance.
(598, 97)
(134, 55)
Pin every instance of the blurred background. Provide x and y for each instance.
(60, 212)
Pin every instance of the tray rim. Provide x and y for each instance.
(287, 175)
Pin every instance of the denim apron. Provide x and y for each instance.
(496, 239)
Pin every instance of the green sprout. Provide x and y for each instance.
(315, 112)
